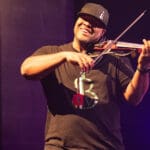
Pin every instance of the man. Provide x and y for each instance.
(83, 97)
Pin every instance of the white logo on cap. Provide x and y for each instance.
(102, 15)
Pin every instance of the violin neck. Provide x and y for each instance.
(129, 45)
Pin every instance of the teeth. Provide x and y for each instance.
(84, 30)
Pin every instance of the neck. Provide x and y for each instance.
(82, 46)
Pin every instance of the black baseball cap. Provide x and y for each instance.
(97, 11)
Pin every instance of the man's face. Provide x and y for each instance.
(88, 29)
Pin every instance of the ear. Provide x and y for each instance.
(103, 31)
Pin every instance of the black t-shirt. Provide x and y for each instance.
(84, 107)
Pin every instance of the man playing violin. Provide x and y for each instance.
(84, 97)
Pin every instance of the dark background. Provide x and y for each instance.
(26, 25)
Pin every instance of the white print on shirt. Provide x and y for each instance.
(79, 100)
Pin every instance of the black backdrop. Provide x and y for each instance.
(29, 24)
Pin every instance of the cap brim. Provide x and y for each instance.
(101, 24)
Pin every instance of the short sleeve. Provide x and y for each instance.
(46, 50)
(124, 72)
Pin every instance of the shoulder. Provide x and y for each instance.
(49, 49)
(67, 47)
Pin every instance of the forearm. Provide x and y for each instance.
(36, 64)
(137, 88)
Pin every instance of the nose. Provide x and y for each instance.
(87, 24)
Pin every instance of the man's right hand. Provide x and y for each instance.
(83, 60)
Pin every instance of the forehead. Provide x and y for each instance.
(92, 20)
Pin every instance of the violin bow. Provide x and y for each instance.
(110, 44)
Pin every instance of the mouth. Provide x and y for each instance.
(85, 31)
